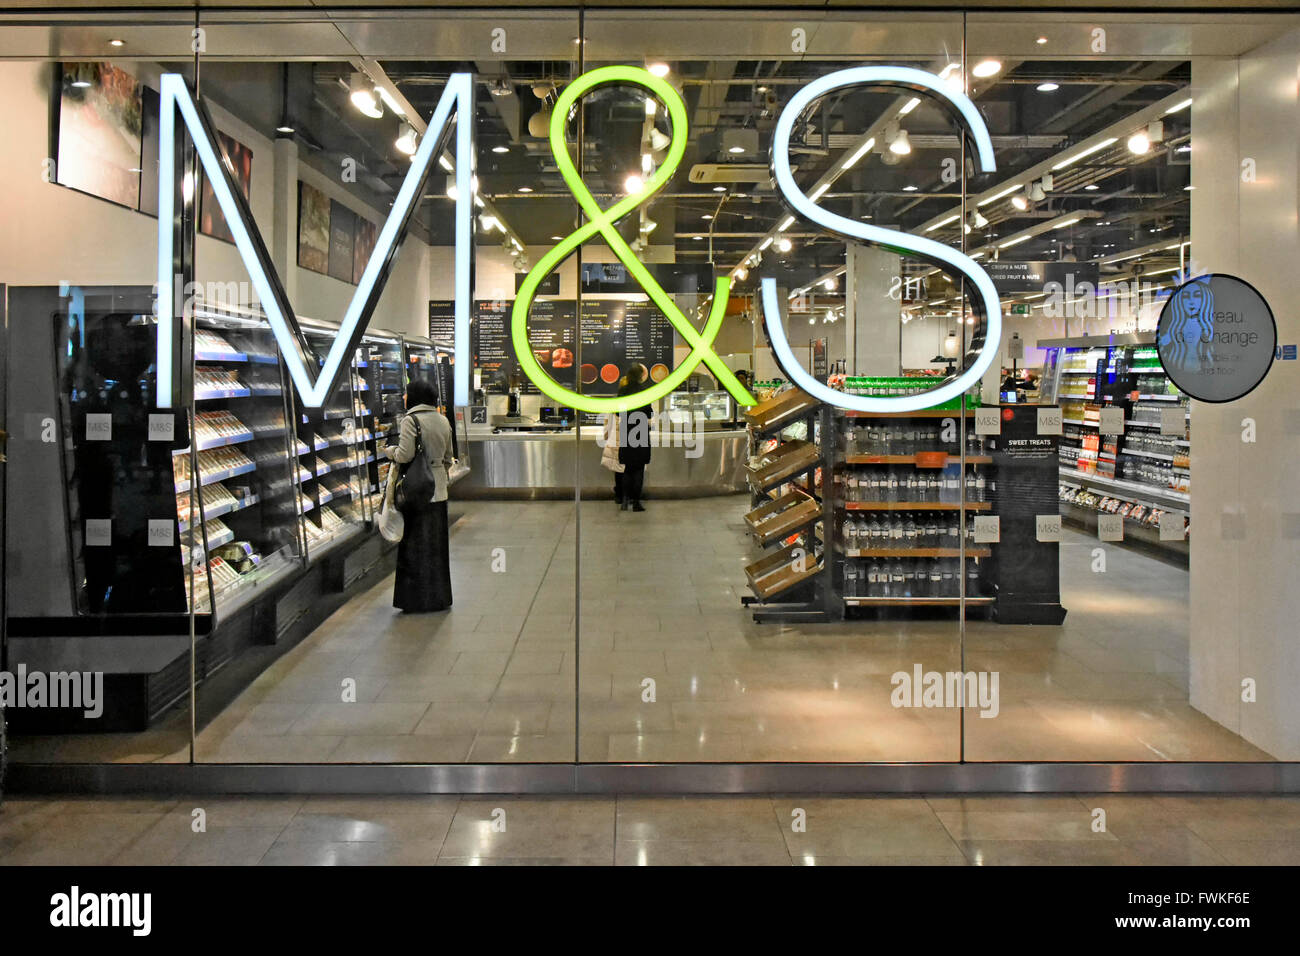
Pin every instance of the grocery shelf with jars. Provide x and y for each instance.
(1126, 442)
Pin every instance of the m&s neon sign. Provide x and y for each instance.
(456, 106)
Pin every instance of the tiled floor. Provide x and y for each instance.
(671, 668)
(805, 830)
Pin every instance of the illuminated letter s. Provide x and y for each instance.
(984, 301)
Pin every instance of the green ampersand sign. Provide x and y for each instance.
(601, 221)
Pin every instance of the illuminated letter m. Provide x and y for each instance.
(456, 105)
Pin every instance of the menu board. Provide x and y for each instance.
(442, 322)
(615, 334)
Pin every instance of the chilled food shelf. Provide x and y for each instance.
(1126, 488)
(915, 505)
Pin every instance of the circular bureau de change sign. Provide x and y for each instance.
(1216, 337)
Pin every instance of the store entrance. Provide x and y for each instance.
(848, 442)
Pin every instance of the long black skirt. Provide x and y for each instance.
(424, 562)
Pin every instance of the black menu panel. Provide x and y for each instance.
(615, 334)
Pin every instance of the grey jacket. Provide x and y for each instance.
(435, 432)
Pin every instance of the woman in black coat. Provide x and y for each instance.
(634, 441)
(423, 581)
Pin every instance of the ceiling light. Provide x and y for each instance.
(1095, 148)
(859, 153)
(1091, 186)
(1035, 192)
(489, 223)
(524, 189)
(986, 68)
(939, 225)
(735, 150)
(451, 189)
(658, 69)
(697, 238)
(901, 145)
(1021, 202)
(741, 273)
(633, 185)
(784, 245)
(650, 106)
(909, 188)
(910, 105)
(362, 93)
(1179, 106)
(286, 129)
(719, 189)
(996, 196)
(647, 164)
(445, 163)
(829, 284)
(405, 142)
(786, 225)
(1048, 87)
(1013, 242)
(1139, 143)
(116, 42)
(1188, 189)
(1068, 222)
(1041, 40)
(707, 216)
(980, 221)
(1186, 148)
(501, 86)
(500, 149)
(649, 226)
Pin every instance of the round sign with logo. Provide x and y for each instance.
(1216, 337)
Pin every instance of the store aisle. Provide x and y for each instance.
(453, 830)
(494, 678)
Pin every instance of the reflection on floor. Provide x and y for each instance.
(989, 830)
(672, 668)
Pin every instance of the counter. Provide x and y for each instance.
(523, 465)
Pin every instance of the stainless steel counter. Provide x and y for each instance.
(522, 465)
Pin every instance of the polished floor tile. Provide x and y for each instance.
(668, 666)
(778, 830)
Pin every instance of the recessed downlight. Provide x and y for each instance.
(986, 68)
(1048, 87)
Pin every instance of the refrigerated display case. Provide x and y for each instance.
(237, 514)
(1137, 465)
(711, 409)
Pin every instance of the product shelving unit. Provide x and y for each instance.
(1144, 471)
(897, 479)
(790, 510)
(233, 518)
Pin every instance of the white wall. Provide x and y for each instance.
(1245, 515)
(54, 234)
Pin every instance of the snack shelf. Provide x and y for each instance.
(787, 460)
(780, 571)
(971, 552)
(914, 505)
(782, 517)
(225, 508)
(916, 601)
(912, 459)
(780, 410)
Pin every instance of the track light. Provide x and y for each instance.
(362, 93)
(1020, 201)
(406, 140)
(784, 245)
(1139, 143)
(900, 145)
